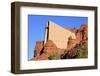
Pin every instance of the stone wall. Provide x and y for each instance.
(59, 35)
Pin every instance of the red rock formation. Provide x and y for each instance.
(81, 35)
(43, 51)
(73, 44)
(84, 31)
(39, 46)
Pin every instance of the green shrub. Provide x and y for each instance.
(54, 56)
(83, 51)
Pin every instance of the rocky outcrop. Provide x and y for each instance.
(38, 48)
(49, 47)
(46, 51)
(81, 35)
(75, 44)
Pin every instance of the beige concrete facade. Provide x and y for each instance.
(58, 35)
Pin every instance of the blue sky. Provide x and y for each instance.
(37, 23)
